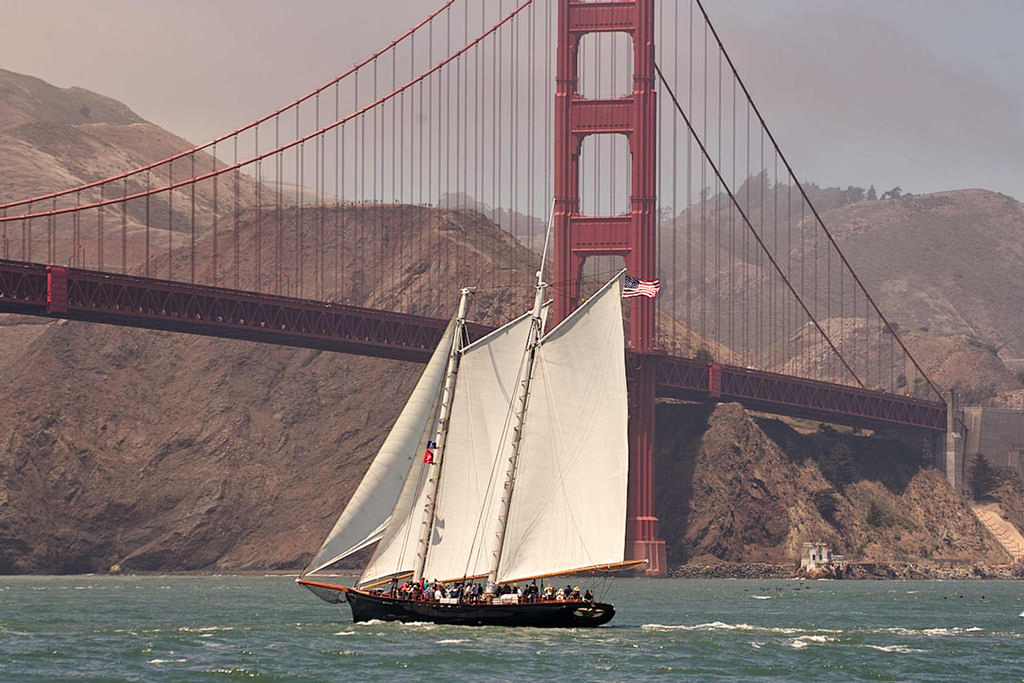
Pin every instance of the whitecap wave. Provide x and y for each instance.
(899, 649)
(722, 626)
(709, 626)
(941, 631)
(804, 641)
(204, 629)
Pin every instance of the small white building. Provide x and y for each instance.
(818, 556)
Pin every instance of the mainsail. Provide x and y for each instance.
(569, 507)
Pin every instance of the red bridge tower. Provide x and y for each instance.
(631, 236)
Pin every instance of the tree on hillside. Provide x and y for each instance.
(836, 465)
(872, 195)
(825, 501)
(982, 477)
(851, 195)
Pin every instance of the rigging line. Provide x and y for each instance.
(519, 405)
(817, 217)
(746, 220)
(478, 541)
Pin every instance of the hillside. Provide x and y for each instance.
(165, 452)
(946, 269)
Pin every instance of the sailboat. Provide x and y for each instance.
(507, 465)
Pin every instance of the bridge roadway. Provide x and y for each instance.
(76, 294)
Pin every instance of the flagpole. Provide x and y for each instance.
(547, 241)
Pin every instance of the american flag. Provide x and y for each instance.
(636, 287)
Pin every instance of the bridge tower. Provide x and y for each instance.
(631, 236)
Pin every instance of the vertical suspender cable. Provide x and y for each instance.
(216, 181)
(99, 230)
(170, 222)
(147, 223)
(192, 188)
(718, 211)
(689, 191)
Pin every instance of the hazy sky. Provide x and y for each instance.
(924, 94)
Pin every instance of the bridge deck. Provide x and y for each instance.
(36, 289)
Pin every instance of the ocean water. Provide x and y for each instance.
(192, 628)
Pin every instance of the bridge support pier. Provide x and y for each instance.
(643, 540)
(952, 455)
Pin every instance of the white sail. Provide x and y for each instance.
(396, 551)
(569, 506)
(367, 514)
(477, 448)
(568, 503)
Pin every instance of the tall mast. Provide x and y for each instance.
(522, 398)
(454, 355)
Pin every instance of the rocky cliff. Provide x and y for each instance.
(742, 489)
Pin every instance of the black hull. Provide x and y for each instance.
(547, 614)
(366, 607)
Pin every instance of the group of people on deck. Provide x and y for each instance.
(470, 593)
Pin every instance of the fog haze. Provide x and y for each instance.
(924, 94)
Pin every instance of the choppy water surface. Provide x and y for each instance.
(100, 628)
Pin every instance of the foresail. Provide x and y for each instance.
(363, 520)
(569, 506)
(396, 551)
(477, 447)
